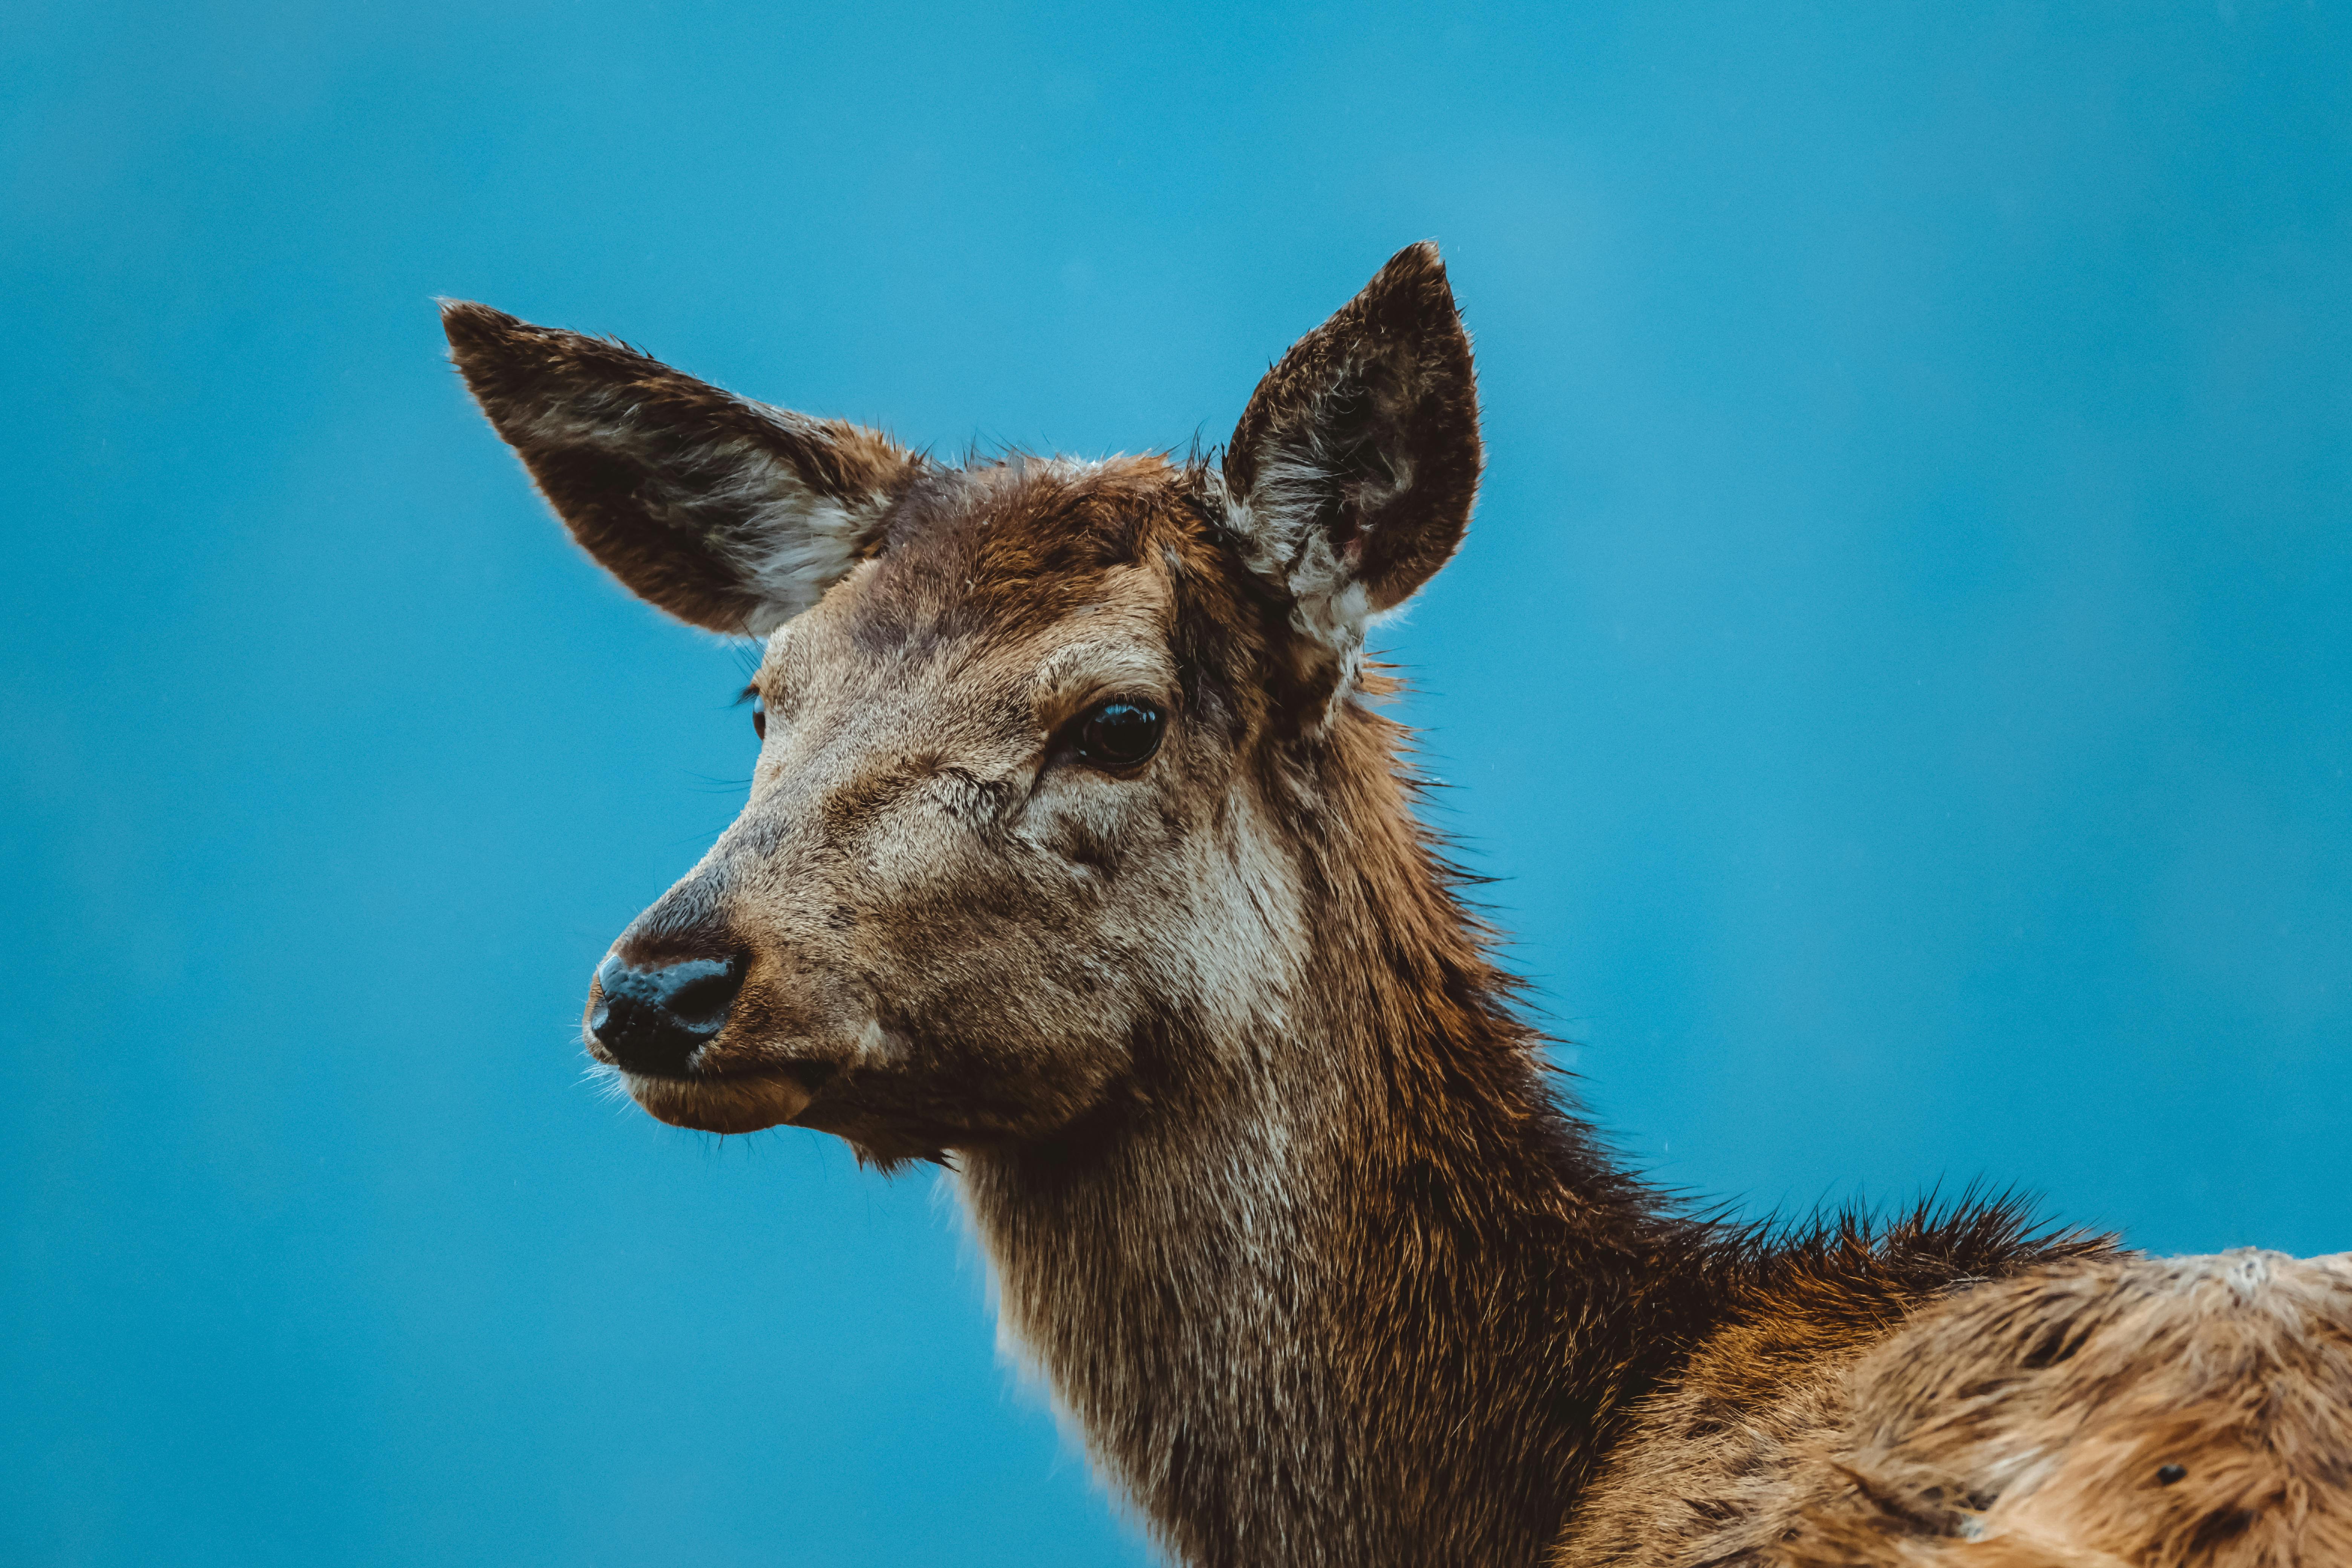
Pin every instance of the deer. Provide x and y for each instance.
(1082, 860)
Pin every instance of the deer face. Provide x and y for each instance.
(983, 848)
(1031, 733)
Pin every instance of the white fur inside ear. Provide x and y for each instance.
(1275, 532)
(1279, 524)
(789, 541)
(796, 543)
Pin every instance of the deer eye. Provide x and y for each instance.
(1120, 734)
(759, 710)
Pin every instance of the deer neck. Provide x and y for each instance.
(1346, 1285)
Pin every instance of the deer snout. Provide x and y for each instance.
(650, 1016)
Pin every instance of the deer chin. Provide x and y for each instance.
(724, 1102)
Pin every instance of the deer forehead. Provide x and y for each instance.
(955, 628)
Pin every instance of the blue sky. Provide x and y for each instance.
(1902, 671)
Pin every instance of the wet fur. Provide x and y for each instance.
(1283, 1203)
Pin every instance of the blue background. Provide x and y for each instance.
(1903, 670)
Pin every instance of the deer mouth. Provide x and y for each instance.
(742, 1100)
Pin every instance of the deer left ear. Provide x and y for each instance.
(725, 512)
(1350, 476)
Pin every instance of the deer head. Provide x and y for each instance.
(1038, 737)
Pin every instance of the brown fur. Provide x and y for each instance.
(2112, 1411)
(1281, 1201)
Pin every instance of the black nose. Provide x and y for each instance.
(654, 1020)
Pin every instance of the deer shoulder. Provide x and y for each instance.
(2090, 1413)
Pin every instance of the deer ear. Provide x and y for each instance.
(1350, 476)
(725, 512)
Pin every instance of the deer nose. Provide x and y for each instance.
(652, 1020)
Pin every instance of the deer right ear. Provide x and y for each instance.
(725, 512)
(1349, 480)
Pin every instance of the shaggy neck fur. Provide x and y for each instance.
(1352, 1290)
